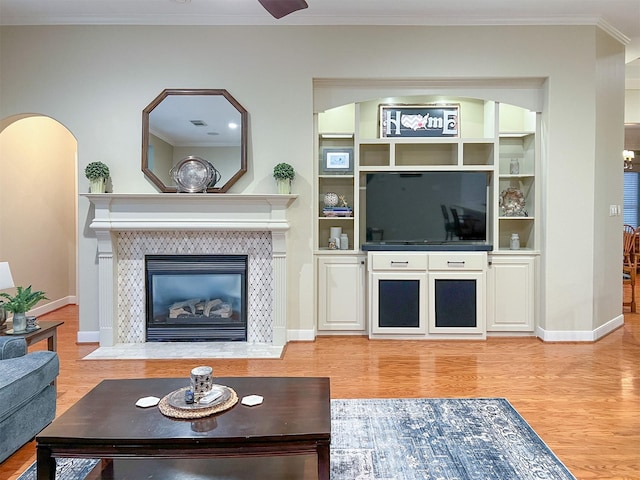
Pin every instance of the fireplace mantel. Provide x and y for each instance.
(186, 212)
(189, 211)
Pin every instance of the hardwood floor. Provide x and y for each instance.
(583, 399)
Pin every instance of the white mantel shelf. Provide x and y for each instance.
(175, 212)
(189, 211)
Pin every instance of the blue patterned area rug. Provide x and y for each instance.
(419, 439)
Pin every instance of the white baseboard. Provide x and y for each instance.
(580, 336)
(547, 336)
(88, 337)
(55, 305)
(301, 335)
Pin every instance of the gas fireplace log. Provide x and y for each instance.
(210, 305)
(188, 307)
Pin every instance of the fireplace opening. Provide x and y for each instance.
(196, 298)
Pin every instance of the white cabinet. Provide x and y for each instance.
(511, 293)
(397, 293)
(427, 295)
(457, 294)
(341, 293)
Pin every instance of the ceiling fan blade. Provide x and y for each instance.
(281, 8)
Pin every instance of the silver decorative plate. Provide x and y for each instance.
(176, 399)
(192, 174)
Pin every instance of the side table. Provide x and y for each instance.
(48, 331)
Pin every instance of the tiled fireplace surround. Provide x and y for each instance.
(130, 226)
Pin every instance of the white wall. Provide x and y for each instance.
(96, 80)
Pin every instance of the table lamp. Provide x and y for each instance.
(6, 281)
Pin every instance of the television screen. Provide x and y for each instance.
(422, 207)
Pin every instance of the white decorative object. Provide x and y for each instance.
(252, 400)
(514, 243)
(331, 199)
(215, 393)
(146, 402)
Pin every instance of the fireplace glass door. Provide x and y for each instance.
(196, 298)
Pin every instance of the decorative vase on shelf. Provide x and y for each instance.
(98, 185)
(19, 322)
(514, 242)
(284, 185)
(514, 167)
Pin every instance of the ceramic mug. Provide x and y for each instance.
(201, 381)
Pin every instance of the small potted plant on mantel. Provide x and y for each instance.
(283, 173)
(97, 173)
(20, 303)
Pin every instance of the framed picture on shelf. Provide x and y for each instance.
(336, 161)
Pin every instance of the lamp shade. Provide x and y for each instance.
(6, 280)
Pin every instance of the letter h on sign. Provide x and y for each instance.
(392, 118)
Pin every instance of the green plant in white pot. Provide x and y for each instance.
(97, 173)
(283, 173)
(20, 303)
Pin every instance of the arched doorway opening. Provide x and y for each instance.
(38, 206)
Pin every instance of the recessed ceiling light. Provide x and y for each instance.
(233, 125)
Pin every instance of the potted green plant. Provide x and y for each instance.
(97, 173)
(20, 303)
(283, 173)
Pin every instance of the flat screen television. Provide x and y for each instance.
(426, 207)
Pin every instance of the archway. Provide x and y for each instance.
(38, 206)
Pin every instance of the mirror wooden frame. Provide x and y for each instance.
(145, 137)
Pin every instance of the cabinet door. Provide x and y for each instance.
(511, 294)
(456, 303)
(341, 293)
(398, 303)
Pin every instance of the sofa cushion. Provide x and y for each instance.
(24, 377)
(12, 347)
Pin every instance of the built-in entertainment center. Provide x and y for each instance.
(432, 234)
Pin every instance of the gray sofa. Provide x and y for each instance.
(27, 394)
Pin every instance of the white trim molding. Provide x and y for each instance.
(580, 336)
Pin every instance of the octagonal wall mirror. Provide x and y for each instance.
(207, 123)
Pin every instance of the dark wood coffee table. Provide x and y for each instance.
(294, 419)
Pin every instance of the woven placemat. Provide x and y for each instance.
(188, 413)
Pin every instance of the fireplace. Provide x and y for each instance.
(196, 298)
(129, 227)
